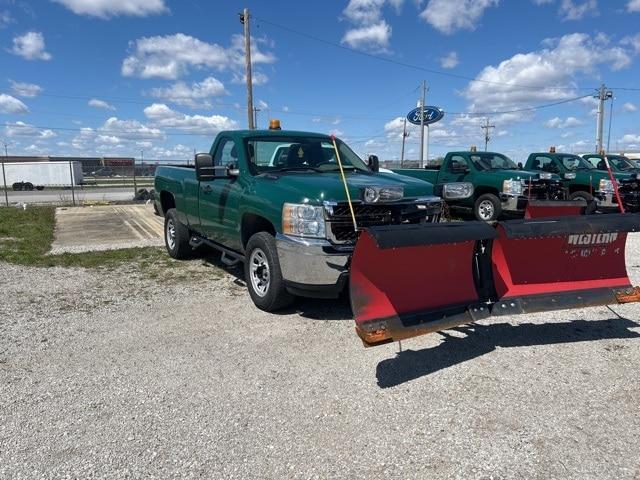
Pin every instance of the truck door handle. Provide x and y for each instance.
(207, 189)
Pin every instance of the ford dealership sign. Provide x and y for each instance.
(431, 115)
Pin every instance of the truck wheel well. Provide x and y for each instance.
(482, 190)
(166, 201)
(252, 224)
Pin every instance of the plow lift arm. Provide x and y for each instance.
(408, 280)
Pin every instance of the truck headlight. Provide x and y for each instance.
(303, 220)
(569, 176)
(512, 187)
(457, 191)
(382, 194)
(606, 186)
(545, 175)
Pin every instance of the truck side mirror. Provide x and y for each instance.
(374, 163)
(519, 165)
(233, 170)
(204, 167)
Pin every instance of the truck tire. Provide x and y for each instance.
(28, 186)
(487, 208)
(263, 275)
(176, 237)
(587, 198)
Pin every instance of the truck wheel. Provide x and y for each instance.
(586, 198)
(487, 208)
(176, 236)
(28, 186)
(263, 275)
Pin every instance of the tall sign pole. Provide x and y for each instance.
(244, 19)
(404, 136)
(422, 104)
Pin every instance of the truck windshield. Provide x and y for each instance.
(281, 154)
(492, 161)
(621, 163)
(574, 162)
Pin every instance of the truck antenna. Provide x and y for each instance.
(344, 182)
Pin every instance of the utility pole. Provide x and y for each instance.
(244, 20)
(4, 176)
(404, 136)
(486, 127)
(422, 104)
(603, 94)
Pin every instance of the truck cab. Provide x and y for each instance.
(499, 185)
(585, 182)
(277, 201)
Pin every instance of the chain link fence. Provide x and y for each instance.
(75, 183)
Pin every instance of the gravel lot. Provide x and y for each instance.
(106, 374)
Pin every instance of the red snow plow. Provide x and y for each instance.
(408, 280)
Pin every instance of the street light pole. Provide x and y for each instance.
(424, 93)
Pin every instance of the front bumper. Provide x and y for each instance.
(313, 267)
(513, 203)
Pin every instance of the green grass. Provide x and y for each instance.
(26, 237)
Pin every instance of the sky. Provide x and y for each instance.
(158, 79)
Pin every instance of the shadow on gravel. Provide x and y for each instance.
(481, 339)
(313, 309)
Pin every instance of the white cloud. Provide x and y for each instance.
(450, 60)
(196, 95)
(9, 104)
(161, 115)
(27, 90)
(370, 30)
(570, 10)
(112, 8)
(500, 87)
(30, 46)
(629, 107)
(632, 41)
(172, 56)
(259, 78)
(557, 122)
(21, 129)
(97, 103)
(447, 16)
(371, 37)
(5, 19)
(633, 6)
(129, 130)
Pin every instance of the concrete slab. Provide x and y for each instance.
(108, 227)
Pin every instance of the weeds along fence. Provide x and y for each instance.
(73, 183)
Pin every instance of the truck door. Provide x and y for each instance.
(455, 170)
(218, 206)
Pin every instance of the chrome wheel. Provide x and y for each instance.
(171, 234)
(259, 272)
(486, 210)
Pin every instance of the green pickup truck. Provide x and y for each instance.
(497, 184)
(584, 181)
(276, 201)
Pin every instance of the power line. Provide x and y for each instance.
(415, 67)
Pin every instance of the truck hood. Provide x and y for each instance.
(314, 187)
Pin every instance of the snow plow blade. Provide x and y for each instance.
(408, 280)
(554, 208)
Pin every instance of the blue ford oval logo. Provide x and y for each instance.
(431, 115)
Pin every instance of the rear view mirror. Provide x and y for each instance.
(457, 167)
(204, 167)
(374, 163)
(520, 165)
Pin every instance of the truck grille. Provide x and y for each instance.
(543, 190)
(341, 226)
